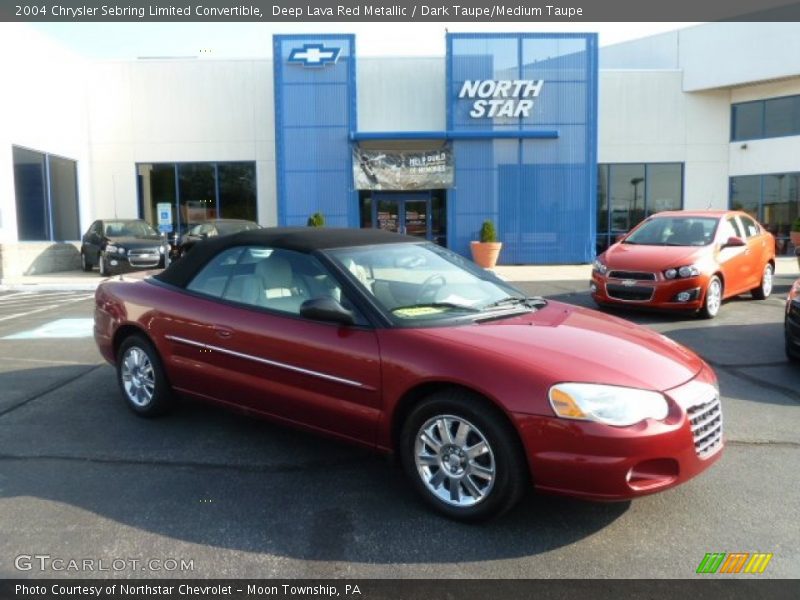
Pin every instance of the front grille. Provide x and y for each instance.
(631, 293)
(706, 422)
(144, 258)
(637, 275)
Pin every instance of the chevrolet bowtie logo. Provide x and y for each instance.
(314, 55)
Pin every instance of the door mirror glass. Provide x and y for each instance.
(326, 309)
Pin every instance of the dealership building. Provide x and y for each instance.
(561, 143)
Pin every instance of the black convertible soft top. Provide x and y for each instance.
(298, 239)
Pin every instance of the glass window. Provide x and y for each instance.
(746, 193)
(664, 186)
(782, 116)
(204, 191)
(626, 196)
(751, 229)
(237, 190)
(197, 193)
(33, 220)
(730, 228)
(214, 278)
(748, 120)
(64, 198)
(46, 194)
(674, 231)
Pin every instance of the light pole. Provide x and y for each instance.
(635, 183)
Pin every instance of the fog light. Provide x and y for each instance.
(684, 297)
(114, 263)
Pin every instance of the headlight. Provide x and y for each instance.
(684, 272)
(600, 267)
(112, 249)
(609, 404)
(162, 249)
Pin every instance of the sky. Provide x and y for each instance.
(253, 40)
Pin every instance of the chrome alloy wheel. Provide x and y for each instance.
(714, 296)
(138, 378)
(454, 461)
(766, 281)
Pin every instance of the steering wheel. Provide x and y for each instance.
(429, 287)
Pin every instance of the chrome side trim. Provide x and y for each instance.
(265, 361)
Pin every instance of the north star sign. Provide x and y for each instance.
(505, 98)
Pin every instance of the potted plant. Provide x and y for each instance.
(316, 220)
(794, 234)
(486, 251)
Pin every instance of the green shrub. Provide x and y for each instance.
(796, 224)
(316, 220)
(488, 232)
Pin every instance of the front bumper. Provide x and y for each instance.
(599, 462)
(662, 293)
(125, 263)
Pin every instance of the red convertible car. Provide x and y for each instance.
(686, 260)
(405, 347)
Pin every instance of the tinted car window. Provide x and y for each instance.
(751, 228)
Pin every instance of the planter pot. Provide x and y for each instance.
(485, 253)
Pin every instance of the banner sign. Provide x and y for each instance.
(392, 170)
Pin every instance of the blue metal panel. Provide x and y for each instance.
(360, 136)
(315, 111)
(540, 190)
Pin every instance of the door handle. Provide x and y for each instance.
(223, 332)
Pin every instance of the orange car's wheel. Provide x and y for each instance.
(713, 300)
(763, 291)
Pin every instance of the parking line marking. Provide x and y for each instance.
(60, 328)
(42, 361)
(38, 310)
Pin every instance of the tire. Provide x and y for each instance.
(713, 298)
(460, 487)
(763, 291)
(85, 266)
(141, 377)
(102, 266)
(791, 350)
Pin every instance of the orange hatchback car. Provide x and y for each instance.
(686, 260)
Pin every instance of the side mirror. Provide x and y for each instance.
(326, 309)
(734, 242)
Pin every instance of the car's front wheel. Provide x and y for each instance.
(141, 377)
(463, 457)
(763, 291)
(101, 265)
(713, 299)
(85, 265)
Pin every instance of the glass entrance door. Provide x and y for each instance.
(409, 214)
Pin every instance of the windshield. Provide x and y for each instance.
(229, 228)
(674, 231)
(128, 229)
(416, 283)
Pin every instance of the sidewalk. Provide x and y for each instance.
(80, 281)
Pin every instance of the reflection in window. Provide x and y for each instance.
(46, 191)
(627, 193)
(773, 199)
(198, 192)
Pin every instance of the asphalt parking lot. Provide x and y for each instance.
(82, 478)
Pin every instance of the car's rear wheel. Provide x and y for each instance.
(85, 266)
(141, 377)
(463, 457)
(713, 299)
(763, 291)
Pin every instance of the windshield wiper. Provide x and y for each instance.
(452, 305)
(530, 302)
